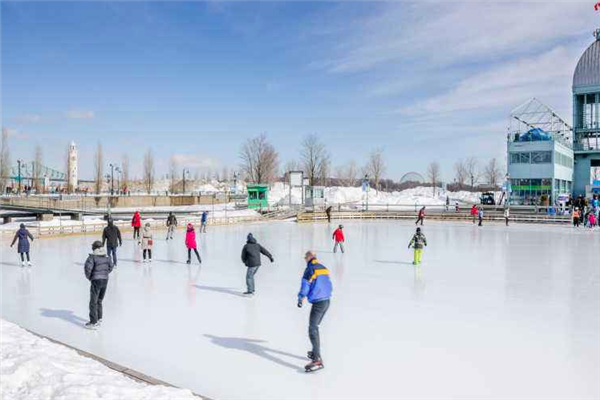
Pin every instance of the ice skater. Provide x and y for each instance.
(506, 215)
(328, 213)
(576, 217)
(339, 239)
(421, 216)
(480, 216)
(136, 223)
(203, 222)
(97, 267)
(147, 242)
(317, 288)
(171, 224)
(23, 236)
(190, 243)
(251, 259)
(111, 237)
(474, 212)
(417, 242)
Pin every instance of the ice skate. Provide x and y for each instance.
(313, 366)
(29, 264)
(91, 326)
(22, 263)
(310, 356)
(248, 294)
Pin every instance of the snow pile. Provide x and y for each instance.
(280, 195)
(35, 368)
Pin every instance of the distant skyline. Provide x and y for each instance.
(425, 81)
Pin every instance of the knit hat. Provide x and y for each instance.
(96, 245)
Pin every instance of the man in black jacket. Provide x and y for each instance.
(251, 258)
(97, 267)
(171, 224)
(111, 236)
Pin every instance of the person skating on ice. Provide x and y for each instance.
(111, 237)
(417, 242)
(203, 222)
(23, 247)
(506, 215)
(339, 239)
(251, 258)
(190, 243)
(421, 216)
(136, 223)
(171, 224)
(97, 268)
(474, 212)
(147, 243)
(328, 213)
(316, 287)
(480, 216)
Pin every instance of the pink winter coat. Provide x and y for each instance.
(190, 238)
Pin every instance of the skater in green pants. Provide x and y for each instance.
(417, 242)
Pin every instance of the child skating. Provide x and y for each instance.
(147, 243)
(23, 236)
(317, 288)
(339, 239)
(417, 242)
(190, 243)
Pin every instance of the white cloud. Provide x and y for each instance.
(80, 114)
(15, 133)
(28, 119)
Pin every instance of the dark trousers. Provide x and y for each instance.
(112, 252)
(317, 312)
(23, 256)
(190, 255)
(419, 219)
(480, 221)
(97, 292)
(328, 217)
(250, 278)
(149, 251)
(506, 219)
(136, 232)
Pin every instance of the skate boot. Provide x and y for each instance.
(310, 355)
(91, 326)
(248, 294)
(188, 262)
(99, 323)
(22, 263)
(29, 264)
(314, 365)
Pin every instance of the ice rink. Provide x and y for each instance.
(493, 312)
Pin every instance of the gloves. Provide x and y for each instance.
(299, 303)
(272, 260)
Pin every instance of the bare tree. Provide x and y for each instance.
(4, 161)
(98, 168)
(225, 174)
(259, 160)
(493, 172)
(125, 172)
(290, 166)
(472, 166)
(375, 167)
(38, 182)
(315, 158)
(460, 173)
(433, 173)
(325, 170)
(347, 173)
(149, 174)
(173, 171)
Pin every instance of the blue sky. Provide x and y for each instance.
(427, 81)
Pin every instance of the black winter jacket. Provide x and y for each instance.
(251, 253)
(98, 265)
(112, 235)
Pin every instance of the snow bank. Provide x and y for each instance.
(35, 368)
(280, 195)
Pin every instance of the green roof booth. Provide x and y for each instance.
(258, 195)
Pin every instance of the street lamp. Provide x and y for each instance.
(118, 179)
(508, 190)
(366, 189)
(112, 179)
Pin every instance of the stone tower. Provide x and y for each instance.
(72, 168)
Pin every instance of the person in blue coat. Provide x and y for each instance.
(203, 222)
(23, 236)
(317, 288)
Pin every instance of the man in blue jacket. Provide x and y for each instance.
(316, 287)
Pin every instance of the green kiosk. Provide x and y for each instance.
(258, 195)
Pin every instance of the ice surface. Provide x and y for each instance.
(494, 312)
(35, 368)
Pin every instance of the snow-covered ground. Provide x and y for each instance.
(493, 313)
(280, 195)
(35, 368)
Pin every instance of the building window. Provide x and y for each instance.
(541, 157)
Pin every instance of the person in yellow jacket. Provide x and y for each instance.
(417, 242)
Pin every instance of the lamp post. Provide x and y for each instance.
(112, 179)
(184, 173)
(19, 162)
(118, 179)
(366, 189)
(508, 190)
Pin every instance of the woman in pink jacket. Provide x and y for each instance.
(190, 243)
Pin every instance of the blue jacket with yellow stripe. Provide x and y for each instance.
(316, 285)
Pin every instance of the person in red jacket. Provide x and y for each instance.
(474, 212)
(136, 223)
(338, 237)
(421, 216)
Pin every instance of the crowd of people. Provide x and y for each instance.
(585, 212)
